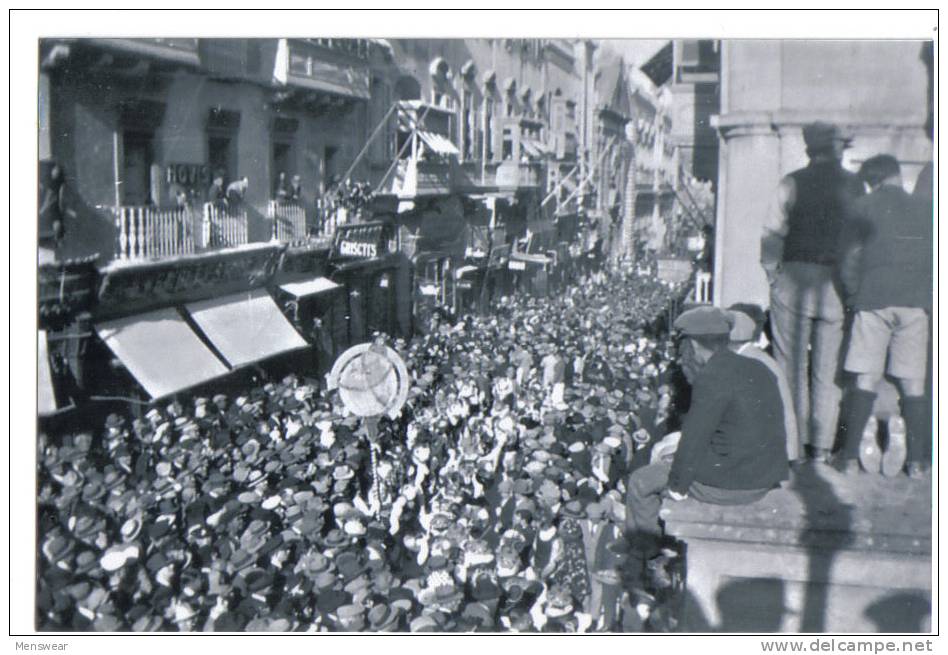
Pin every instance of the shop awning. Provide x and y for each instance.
(305, 288)
(530, 258)
(161, 351)
(46, 398)
(439, 144)
(534, 149)
(246, 327)
(464, 270)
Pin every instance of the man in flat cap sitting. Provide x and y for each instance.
(732, 449)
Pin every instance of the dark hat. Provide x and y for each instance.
(350, 565)
(703, 321)
(820, 135)
(383, 618)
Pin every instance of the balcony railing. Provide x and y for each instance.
(289, 220)
(224, 227)
(149, 233)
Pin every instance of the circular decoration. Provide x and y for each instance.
(372, 380)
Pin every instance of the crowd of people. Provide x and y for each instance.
(496, 502)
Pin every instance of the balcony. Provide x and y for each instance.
(512, 175)
(146, 233)
(176, 50)
(318, 68)
(150, 233)
(288, 219)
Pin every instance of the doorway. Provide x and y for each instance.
(138, 157)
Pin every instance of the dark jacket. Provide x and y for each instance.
(824, 191)
(733, 436)
(889, 245)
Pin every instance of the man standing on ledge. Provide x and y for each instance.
(798, 251)
(733, 445)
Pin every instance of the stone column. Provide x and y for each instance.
(749, 175)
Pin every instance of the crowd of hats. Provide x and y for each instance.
(263, 512)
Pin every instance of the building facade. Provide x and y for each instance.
(150, 123)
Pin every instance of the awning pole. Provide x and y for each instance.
(411, 138)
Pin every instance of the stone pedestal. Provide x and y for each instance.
(826, 553)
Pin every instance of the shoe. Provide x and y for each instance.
(894, 458)
(917, 471)
(869, 454)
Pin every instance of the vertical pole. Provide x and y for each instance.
(116, 169)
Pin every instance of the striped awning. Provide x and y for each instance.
(246, 327)
(439, 144)
(534, 149)
(161, 351)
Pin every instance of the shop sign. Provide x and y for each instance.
(188, 175)
(363, 241)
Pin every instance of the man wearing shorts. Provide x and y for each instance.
(887, 273)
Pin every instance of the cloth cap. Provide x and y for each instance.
(744, 326)
(703, 321)
(819, 135)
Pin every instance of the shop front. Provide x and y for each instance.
(366, 263)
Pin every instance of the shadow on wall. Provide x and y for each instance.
(904, 611)
(751, 605)
(88, 230)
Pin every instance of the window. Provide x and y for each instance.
(222, 156)
(488, 129)
(138, 158)
(330, 165)
(282, 164)
(468, 127)
(507, 151)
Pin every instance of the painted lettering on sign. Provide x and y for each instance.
(188, 175)
(358, 249)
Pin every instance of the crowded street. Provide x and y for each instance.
(256, 512)
(483, 335)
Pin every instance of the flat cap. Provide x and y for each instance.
(743, 326)
(820, 134)
(702, 321)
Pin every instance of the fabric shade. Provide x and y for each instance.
(530, 258)
(161, 351)
(534, 149)
(439, 144)
(305, 288)
(246, 327)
